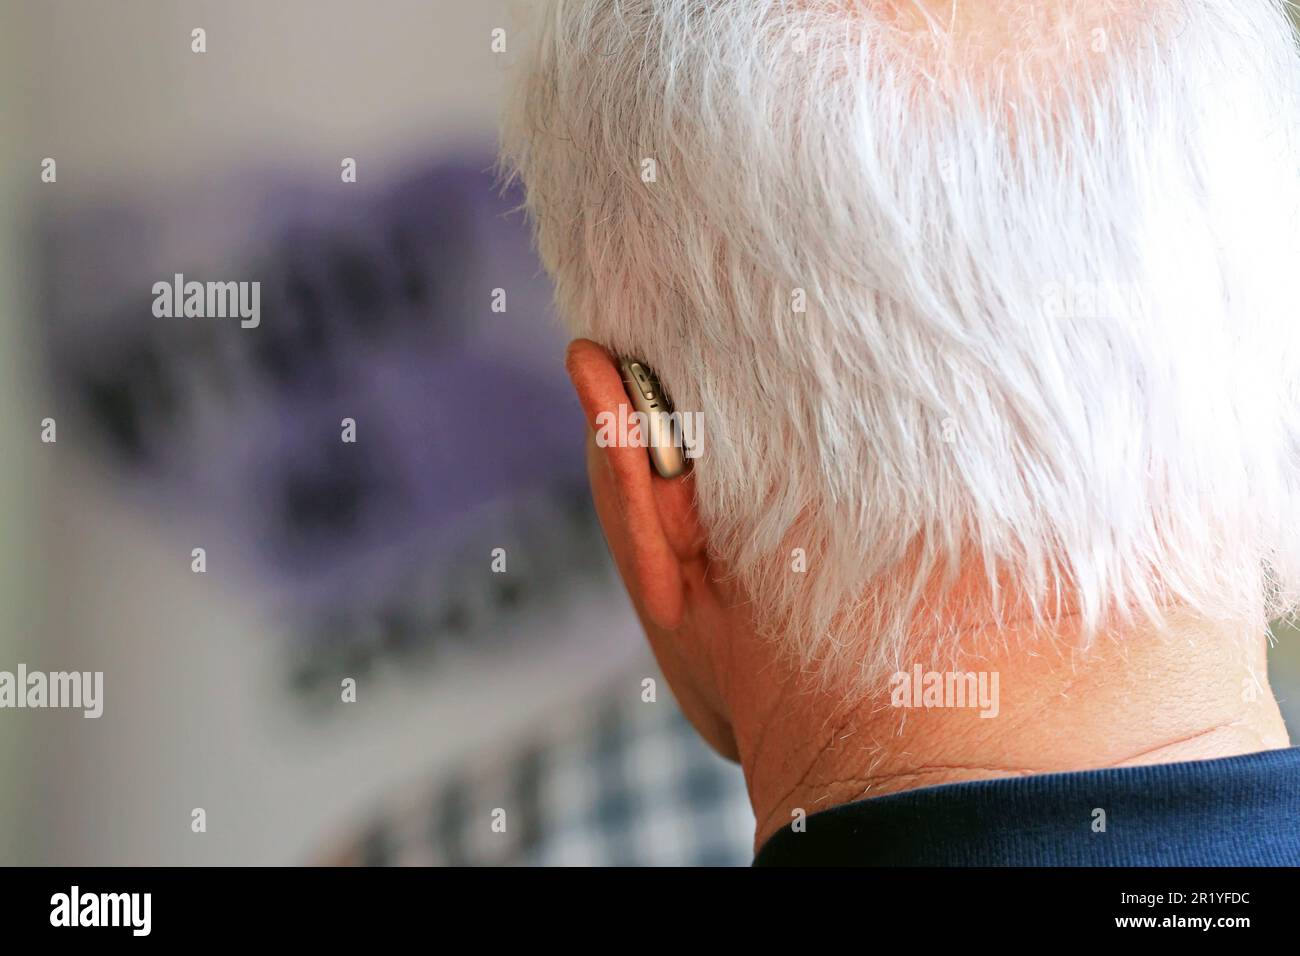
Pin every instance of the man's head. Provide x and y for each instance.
(989, 310)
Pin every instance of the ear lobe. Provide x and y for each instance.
(656, 575)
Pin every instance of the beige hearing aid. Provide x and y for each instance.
(648, 398)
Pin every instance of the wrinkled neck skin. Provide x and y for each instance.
(1192, 691)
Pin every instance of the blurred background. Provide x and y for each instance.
(407, 301)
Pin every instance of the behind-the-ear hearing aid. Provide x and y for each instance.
(648, 398)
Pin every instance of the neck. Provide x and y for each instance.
(1190, 692)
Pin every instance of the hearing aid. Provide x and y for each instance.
(649, 399)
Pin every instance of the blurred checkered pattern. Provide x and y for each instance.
(614, 781)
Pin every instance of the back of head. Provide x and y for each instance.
(987, 310)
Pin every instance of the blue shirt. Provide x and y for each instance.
(1233, 811)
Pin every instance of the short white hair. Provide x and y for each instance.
(1052, 322)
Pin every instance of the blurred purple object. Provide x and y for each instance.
(377, 307)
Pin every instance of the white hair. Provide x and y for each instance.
(1052, 323)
